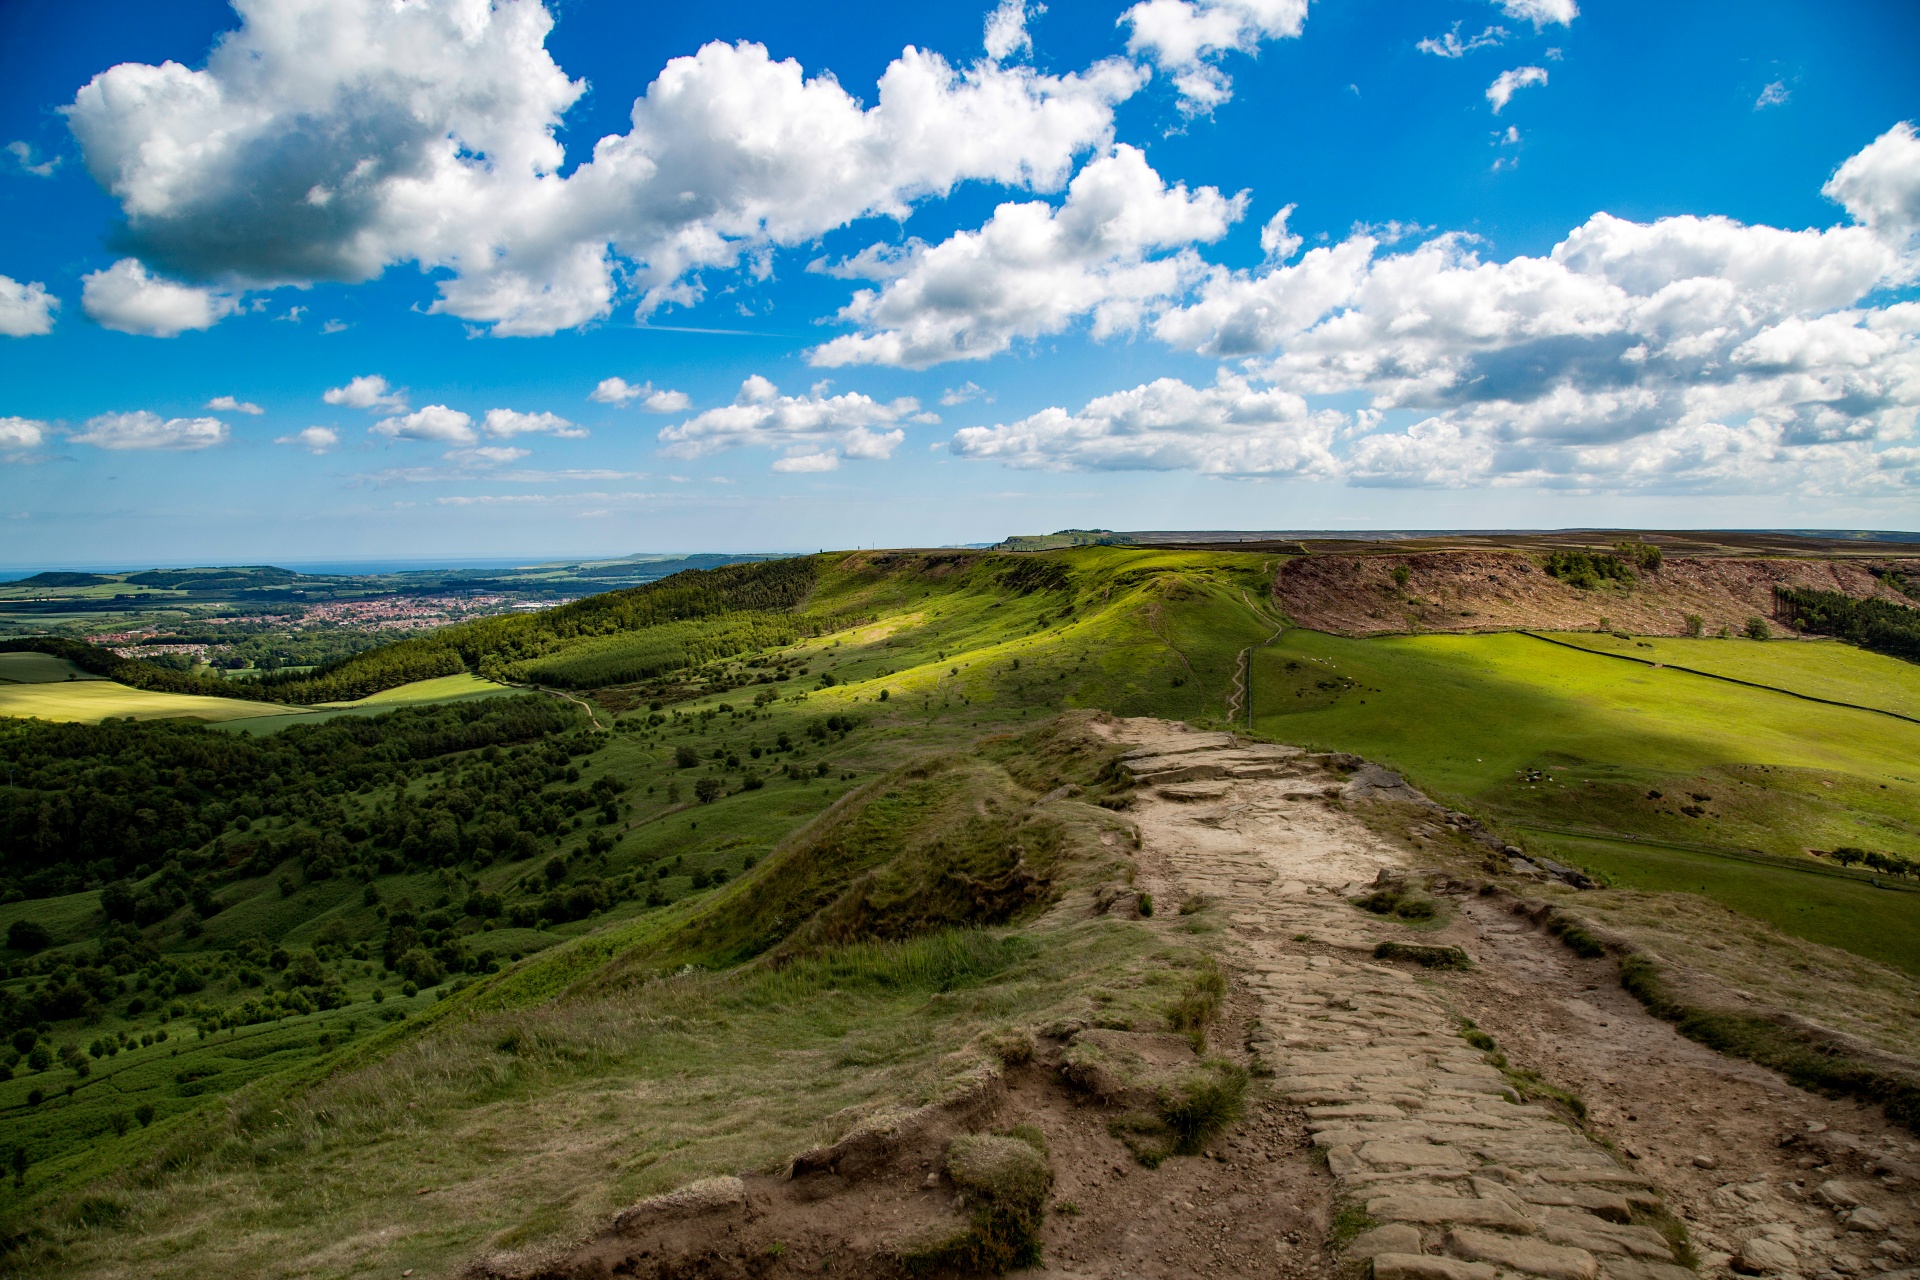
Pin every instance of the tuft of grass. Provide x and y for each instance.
(1198, 1004)
(1349, 1223)
(1005, 1179)
(1204, 1103)
(1426, 957)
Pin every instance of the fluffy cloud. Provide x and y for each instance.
(434, 422)
(1507, 83)
(143, 430)
(21, 433)
(1230, 428)
(1006, 32)
(618, 391)
(26, 310)
(231, 405)
(127, 299)
(1686, 352)
(501, 423)
(1186, 38)
(1541, 13)
(814, 431)
(315, 440)
(1880, 186)
(368, 392)
(1033, 269)
(329, 139)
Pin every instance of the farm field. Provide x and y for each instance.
(39, 668)
(90, 699)
(1818, 668)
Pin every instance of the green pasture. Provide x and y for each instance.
(91, 701)
(1827, 669)
(39, 668)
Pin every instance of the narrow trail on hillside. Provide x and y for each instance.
(1459, 1176)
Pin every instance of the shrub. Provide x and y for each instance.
(28, 935)
(685, 757)
(1757, 629)
(707, 790)
(1696, 625)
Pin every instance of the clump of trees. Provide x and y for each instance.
(1879, 625)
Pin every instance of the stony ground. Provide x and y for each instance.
(1456, 1160)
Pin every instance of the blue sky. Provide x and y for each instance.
(323, 279)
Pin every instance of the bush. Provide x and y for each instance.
(1588, 569)
(144, 1114)
(28, 935)
(707, 790)
(685, 757)
(1696, 625)
(1757, 629)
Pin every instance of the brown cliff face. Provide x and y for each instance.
(1501, 590)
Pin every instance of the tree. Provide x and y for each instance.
(685, 757)
(1696, 625)
(1757, 629)
(144, 1114)
(707, 790)
(28, 935)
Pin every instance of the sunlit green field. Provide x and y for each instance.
(1818, 668)
(38, 668)
(90, 700)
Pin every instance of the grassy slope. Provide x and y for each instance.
(91, 699)
(1465, 716)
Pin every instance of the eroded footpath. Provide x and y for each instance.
(1457, 1175)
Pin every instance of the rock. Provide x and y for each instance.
(708, 1195)
(1417, 1155)
(1414, 1266)
(1865, 1219)
(1395, 1237)
(1435, 1210)
(1634, 1269)
(1705, 1161)
(1342, 1161)
(1837, 1194)
(1600, 1204)
(1762, 1255)
(1555, 1262)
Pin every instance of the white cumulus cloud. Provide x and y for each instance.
(26, 310)
(125, 298)
(1187, 38)
(231, 405)
(813, 431)
(315, 440)
(434, 422)
(1507, 83)
(1033, 270)
(1541, 13)
(1230, 428)
(370, 392)
(21, 433)
(144, 430)
(330, 139)
(500, 423)
(1685, 353)
(618, 391)
(1006, 32)
(1880, 186)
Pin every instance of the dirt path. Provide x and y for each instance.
(1458, 1176)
